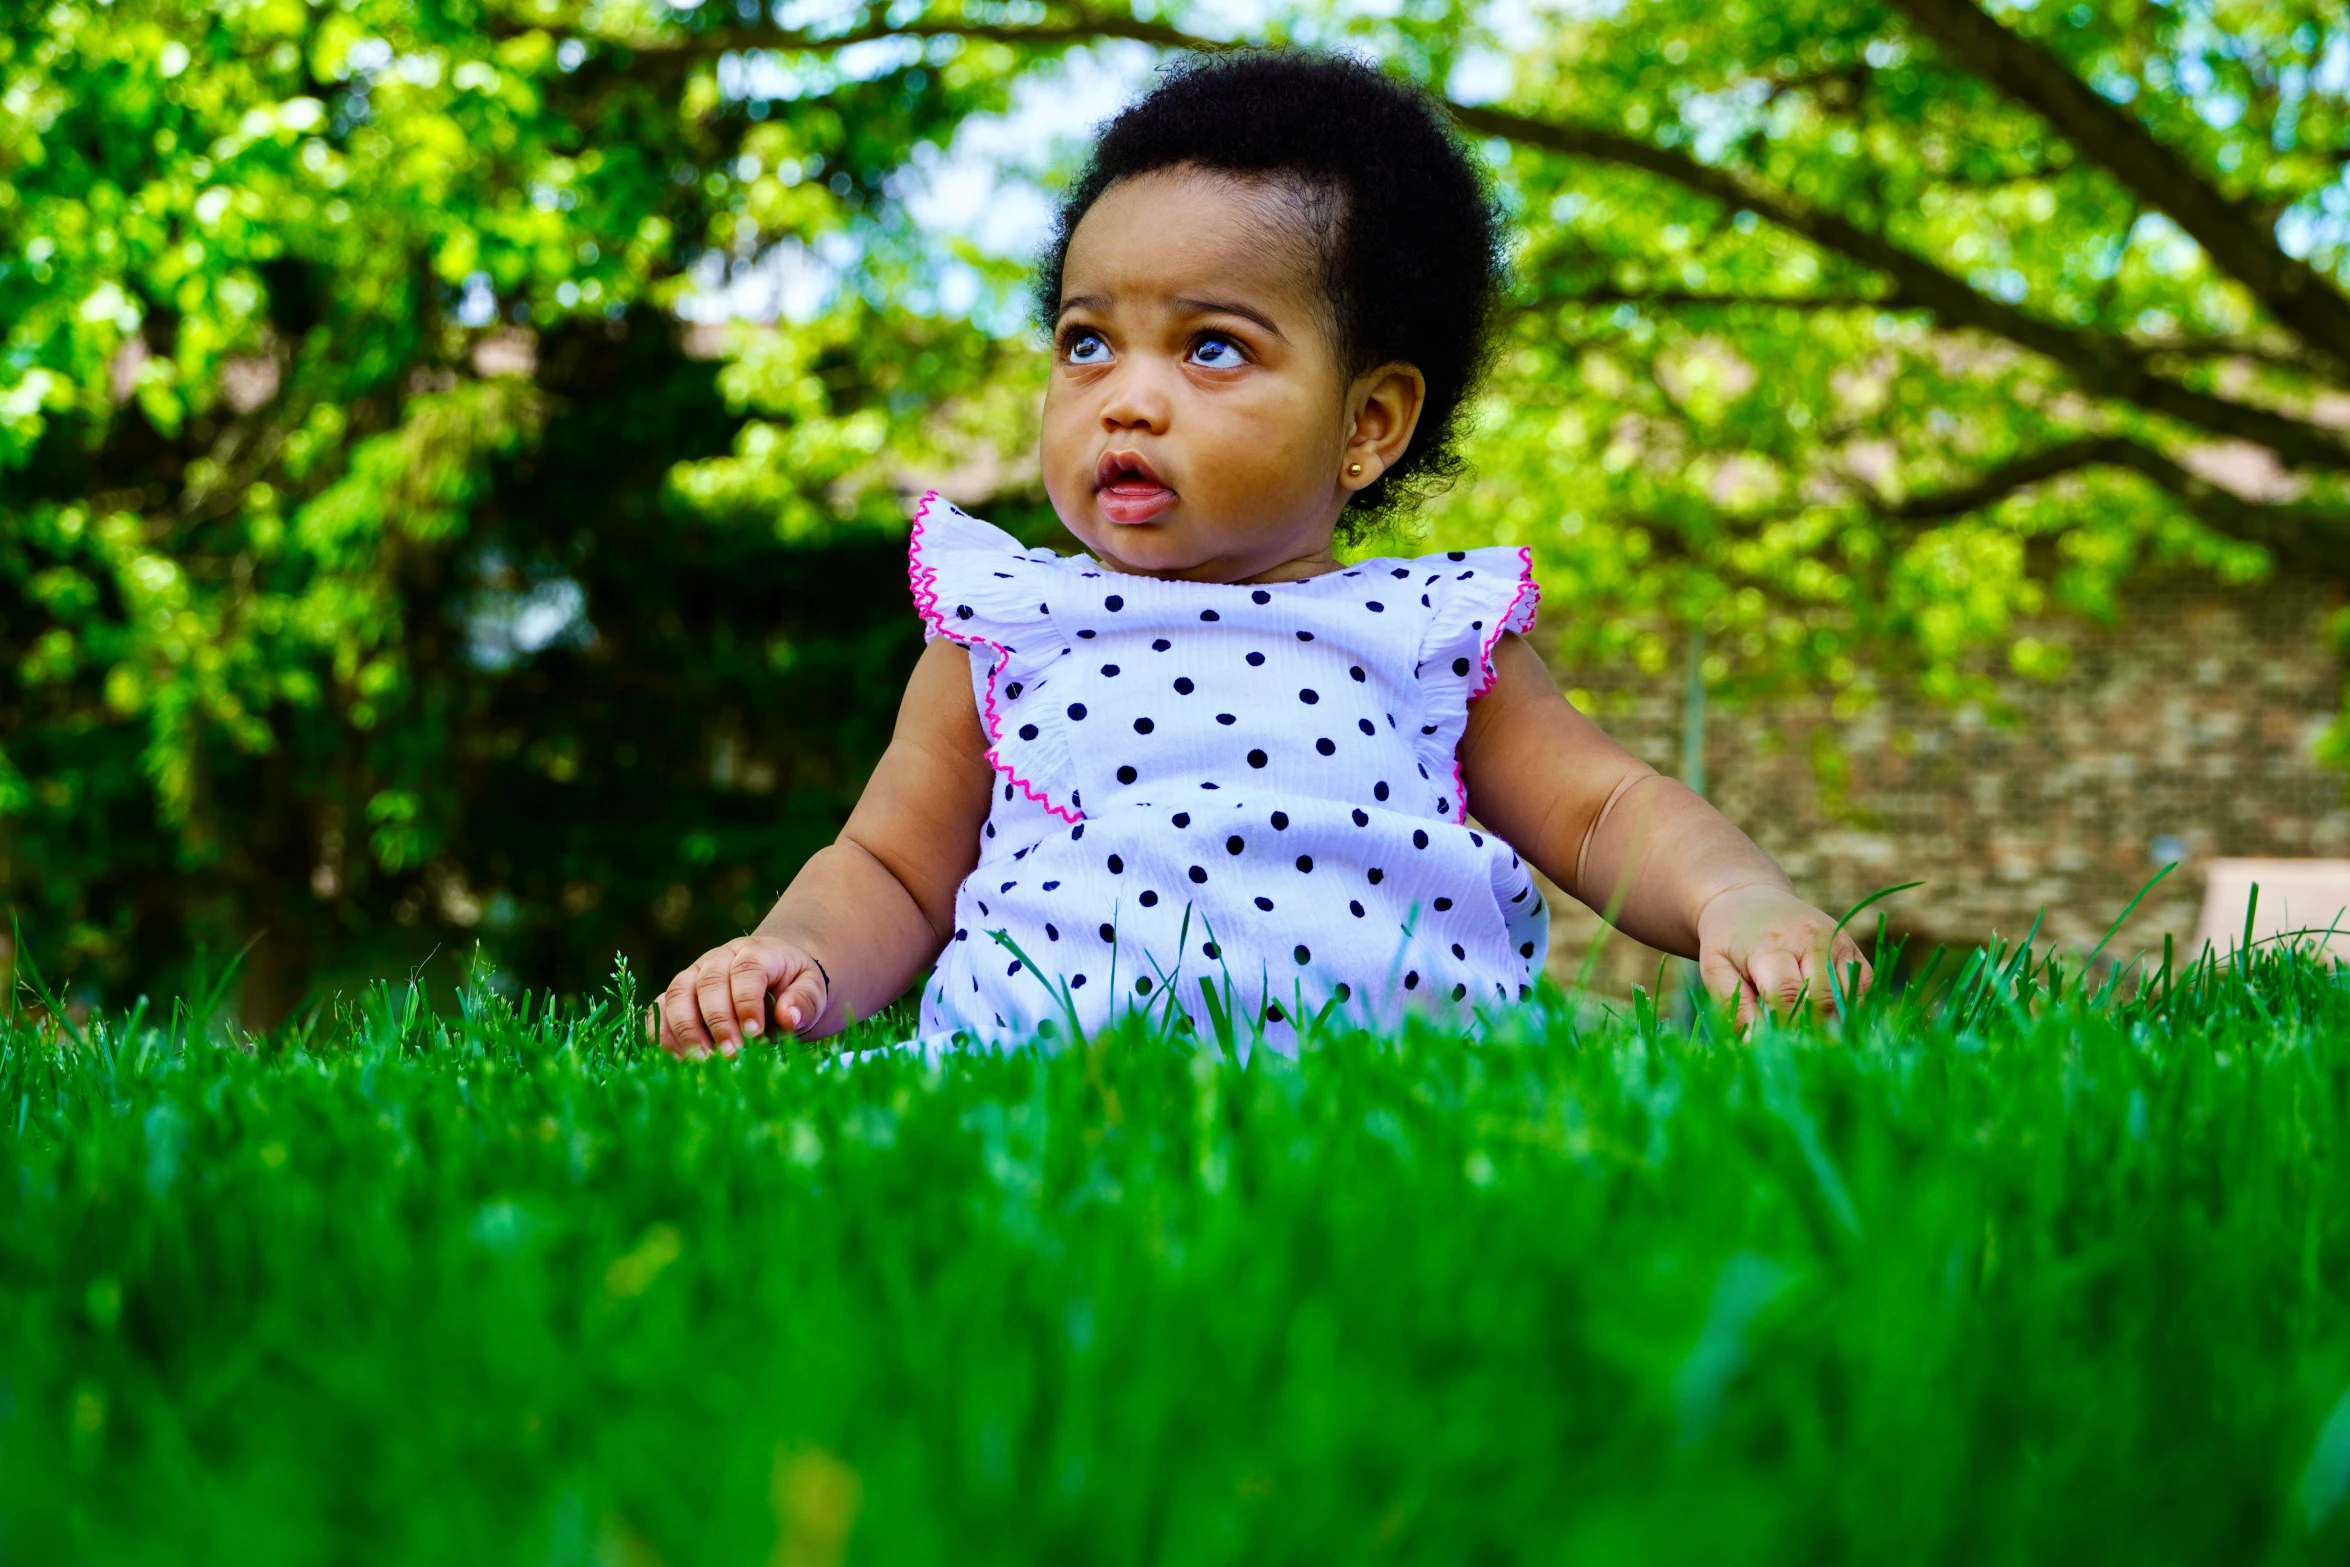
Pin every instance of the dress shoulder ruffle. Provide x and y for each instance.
(1475, 596)
(975, 585)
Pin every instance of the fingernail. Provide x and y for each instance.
(730, 1050)
(751, 1027)
(794, 1014)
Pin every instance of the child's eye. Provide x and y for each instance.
(1083, 347)
(1215, 352)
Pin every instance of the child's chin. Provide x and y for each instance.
(1154, 543)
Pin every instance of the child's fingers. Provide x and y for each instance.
(1848, 954)
(748, 982)
(714, 997)
(681, 1020)
(1835, 961)
(1719, 975)
(1777, 977)
(1724, 982)
(1749, 1002)
(1819, 986)
(801, 1002)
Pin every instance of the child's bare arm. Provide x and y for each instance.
(874, 907)
(1607, 827)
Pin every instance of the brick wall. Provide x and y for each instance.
(2195, 718)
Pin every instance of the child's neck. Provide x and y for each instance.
(1313, 562)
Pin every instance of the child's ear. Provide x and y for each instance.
(1386, 403)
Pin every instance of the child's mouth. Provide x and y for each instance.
(1128, 491)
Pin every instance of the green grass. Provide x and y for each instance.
(2003, 1271)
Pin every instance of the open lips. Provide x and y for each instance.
(1129, 490)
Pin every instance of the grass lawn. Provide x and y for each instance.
(2001, 1271)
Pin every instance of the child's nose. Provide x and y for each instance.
(1135, 399)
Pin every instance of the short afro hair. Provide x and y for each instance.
(1412, 245)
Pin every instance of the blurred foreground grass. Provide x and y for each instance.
(2000, 1272)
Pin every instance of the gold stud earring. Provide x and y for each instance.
(1353, 468)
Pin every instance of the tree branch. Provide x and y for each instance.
(2106, 365)
(2208, 348)
(2230, 233)
(2016, 474)
(1086, 27)
(2309, 539)
(2102, 364)
(1678, 299)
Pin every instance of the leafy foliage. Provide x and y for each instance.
(385, 563)
(377, 569)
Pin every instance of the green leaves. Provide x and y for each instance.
(305, 312)
(321, 326)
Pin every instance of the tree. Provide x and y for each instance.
(340, 336)
(1861, 328)
(377, 573)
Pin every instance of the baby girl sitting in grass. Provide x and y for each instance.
(1208, 753)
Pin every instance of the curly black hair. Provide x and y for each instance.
(1411, 246)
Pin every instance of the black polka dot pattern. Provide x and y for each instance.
(1196, 697)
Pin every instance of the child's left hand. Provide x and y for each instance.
(1769, 948)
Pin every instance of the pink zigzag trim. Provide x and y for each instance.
(922, 578)
(1486, 674)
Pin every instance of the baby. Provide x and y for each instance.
(1208, 754)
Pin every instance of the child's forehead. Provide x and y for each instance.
(1185, 233)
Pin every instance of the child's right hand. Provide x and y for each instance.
(724, 997)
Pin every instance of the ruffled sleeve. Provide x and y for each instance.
(1473, 597)
(973, 584)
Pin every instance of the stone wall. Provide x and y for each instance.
(2188, 728)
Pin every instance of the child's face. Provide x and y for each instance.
(1198, 423)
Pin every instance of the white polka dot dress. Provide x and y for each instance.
(1251, 786)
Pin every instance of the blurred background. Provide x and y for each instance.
(454, 454)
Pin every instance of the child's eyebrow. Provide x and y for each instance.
(1191, 303)
(1226, 307)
